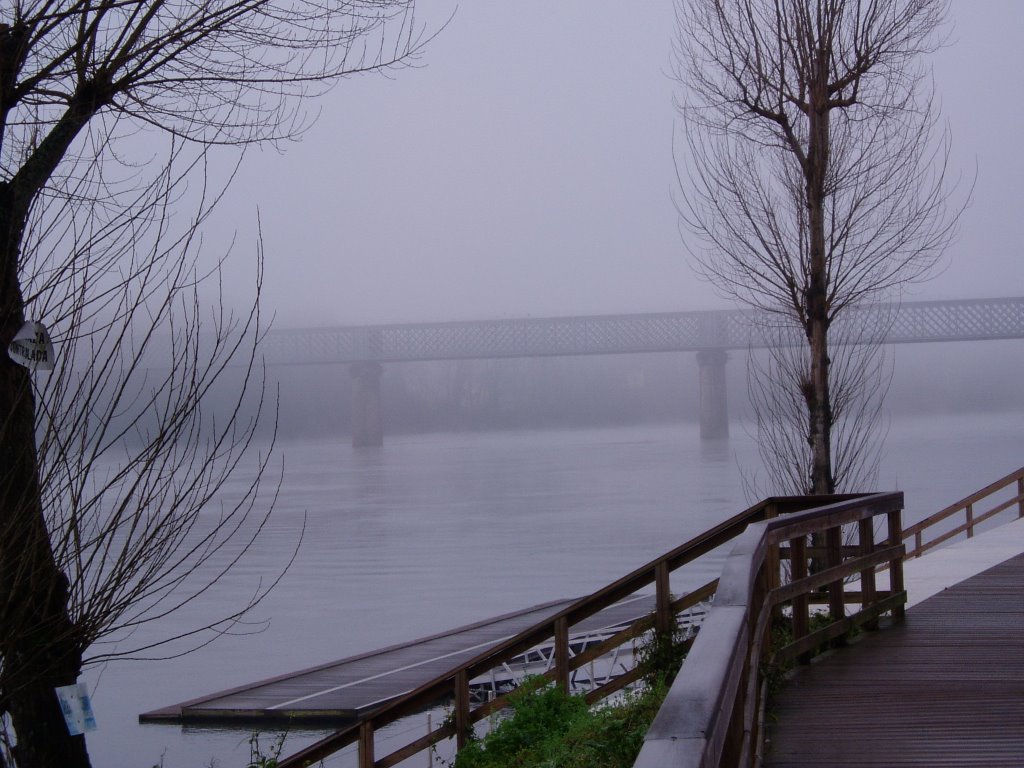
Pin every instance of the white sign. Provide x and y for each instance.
(32, 347)
(77, 709)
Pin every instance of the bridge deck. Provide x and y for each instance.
(342, 690)
(944, 688)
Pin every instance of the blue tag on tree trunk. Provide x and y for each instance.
(77, 709)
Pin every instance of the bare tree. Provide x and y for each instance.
(812, 180)
(87, 243)
(859, 376)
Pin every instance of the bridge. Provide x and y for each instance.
(711, 334)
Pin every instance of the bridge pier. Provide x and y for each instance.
(367, 417)
(714, 407)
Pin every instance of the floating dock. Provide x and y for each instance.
(342, 691)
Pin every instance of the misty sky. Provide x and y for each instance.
(525, 168)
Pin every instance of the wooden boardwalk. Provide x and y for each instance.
(945, 688)
(341, 691)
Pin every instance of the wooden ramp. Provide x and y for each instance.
(945, 688)
(343, 690)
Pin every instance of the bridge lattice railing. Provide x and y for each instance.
(616, 334)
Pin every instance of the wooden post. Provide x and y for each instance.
(798, 570)
(430, 750)
(866, 534)
(772, 561)
(366, 759)
(896, 566)
(663, 618)
(970, 521)
(1020, 497)
(462, 724)
(833, 558)
(758, 645)
(562, 653)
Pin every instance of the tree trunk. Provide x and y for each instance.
(816, 391)
(43, 740)
(38, 641)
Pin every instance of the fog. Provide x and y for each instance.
(524, 168)
(613, 390)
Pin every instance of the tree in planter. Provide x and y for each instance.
(86, 244)
(811, 177)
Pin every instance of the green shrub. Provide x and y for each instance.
(661, 656)
(549, 729)
(541, 717)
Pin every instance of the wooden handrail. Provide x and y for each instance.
(452, 684)
(785, 542)
(711, 714)
(972, 517)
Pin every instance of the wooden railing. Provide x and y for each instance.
(972, 517)
(712, 714)
(454, 684)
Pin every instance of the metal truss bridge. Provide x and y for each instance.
(909, 322)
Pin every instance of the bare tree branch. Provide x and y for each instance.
(115, 463)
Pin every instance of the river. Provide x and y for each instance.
(434, 531)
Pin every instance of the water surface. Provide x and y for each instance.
(435, 531)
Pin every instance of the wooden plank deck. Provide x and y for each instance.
(945, 688)
(341, 691)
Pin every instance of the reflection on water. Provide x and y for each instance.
(716, 451)
(435, 531)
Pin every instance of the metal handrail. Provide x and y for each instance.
(455, 682)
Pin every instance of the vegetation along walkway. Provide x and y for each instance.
(944, 688)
